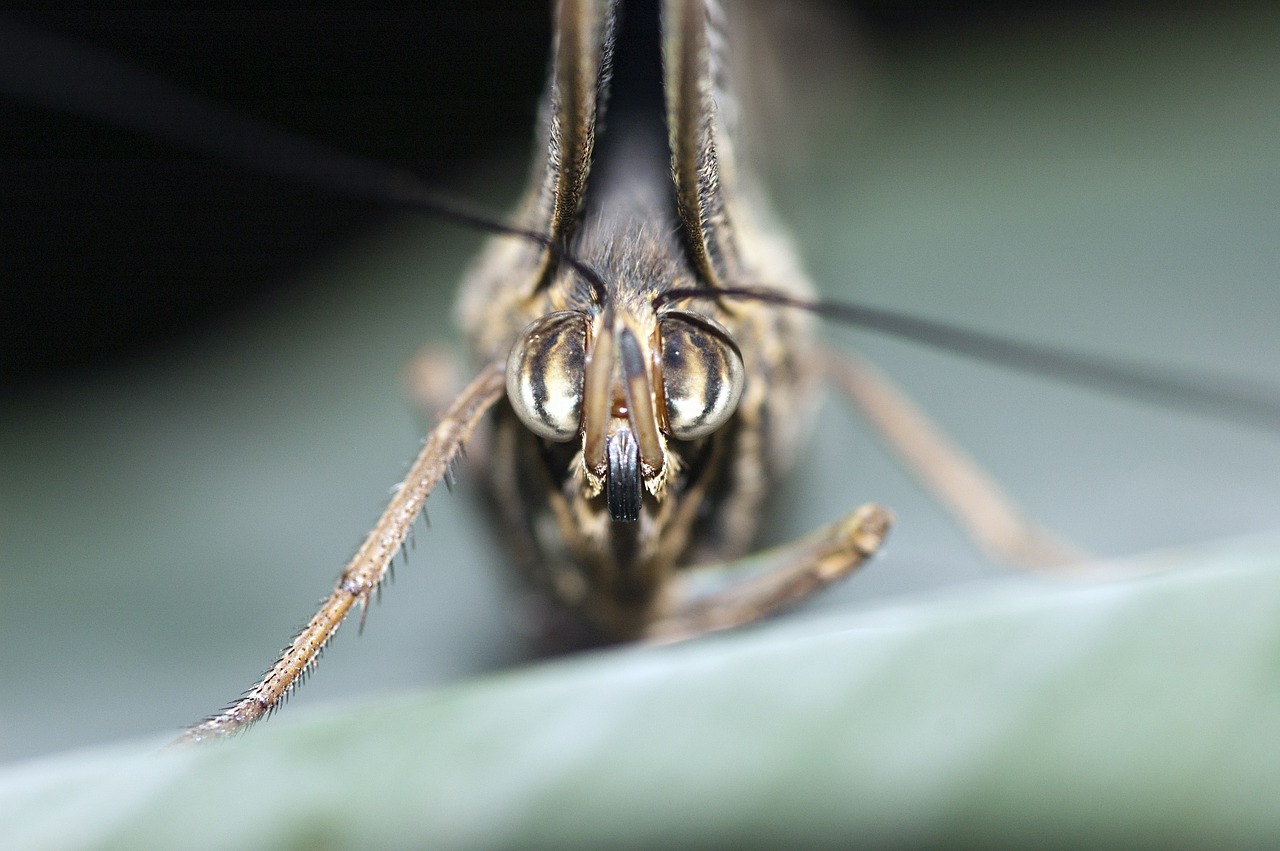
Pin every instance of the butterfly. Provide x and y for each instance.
(772, 312)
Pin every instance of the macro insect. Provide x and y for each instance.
(606, 472)
(638, 419)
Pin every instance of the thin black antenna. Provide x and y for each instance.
(62, 74)
(1252, 404)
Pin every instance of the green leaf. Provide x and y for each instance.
(1022, 712)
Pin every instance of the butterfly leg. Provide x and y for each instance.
(985, 513)
(721, 596)
(433, 378)
(366, 570)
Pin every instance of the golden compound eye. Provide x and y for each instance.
(544, 375)
(702, 375)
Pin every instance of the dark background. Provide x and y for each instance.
(115, 243)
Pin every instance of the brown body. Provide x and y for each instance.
(632, 223)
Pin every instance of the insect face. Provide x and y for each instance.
(624, 382)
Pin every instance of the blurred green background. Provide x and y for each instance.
(182, 476)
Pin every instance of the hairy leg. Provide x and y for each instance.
(985, 513)
(366, 570)
(720, 596)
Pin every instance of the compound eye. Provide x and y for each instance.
(702, 375)
(544, 375)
